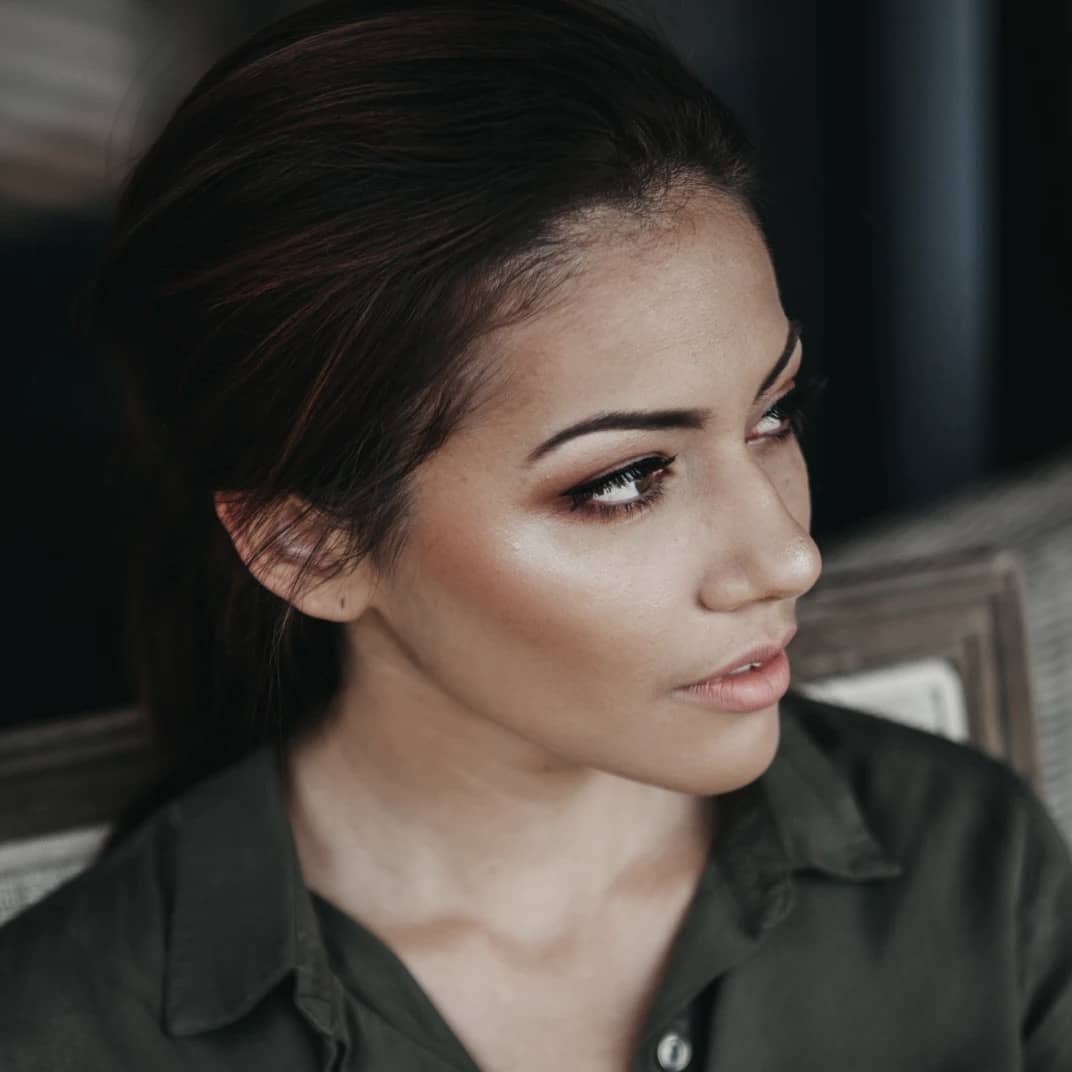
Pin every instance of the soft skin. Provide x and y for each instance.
(508, 748)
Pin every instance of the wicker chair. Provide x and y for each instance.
(1029, 515)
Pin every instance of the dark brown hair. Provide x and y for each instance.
(297, 272)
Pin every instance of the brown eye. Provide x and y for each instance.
(788, 412)
(646, 473)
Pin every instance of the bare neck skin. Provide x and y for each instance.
(408, 819)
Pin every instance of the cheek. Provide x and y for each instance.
(543, 593)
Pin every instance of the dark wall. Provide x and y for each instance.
(916, 163)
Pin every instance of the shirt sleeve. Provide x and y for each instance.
(1044, 908)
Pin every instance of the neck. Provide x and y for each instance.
(402, 816)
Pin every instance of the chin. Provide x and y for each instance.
(731, 752)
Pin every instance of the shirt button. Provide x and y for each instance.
(674, 1052)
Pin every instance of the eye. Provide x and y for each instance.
(609, 497)
(639, 473)
(785, 417)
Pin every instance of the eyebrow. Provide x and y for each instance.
(654, 419)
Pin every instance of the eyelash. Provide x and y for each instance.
(792, 408)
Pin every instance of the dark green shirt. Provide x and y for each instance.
(880, 899)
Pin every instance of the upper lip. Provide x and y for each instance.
(758, 653)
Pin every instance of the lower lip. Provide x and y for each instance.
(750, 691)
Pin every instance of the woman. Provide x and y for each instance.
(465, 412)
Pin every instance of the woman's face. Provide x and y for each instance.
(570, 629)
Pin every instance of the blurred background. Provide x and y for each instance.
(917, 163)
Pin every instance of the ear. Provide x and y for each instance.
(334, 594)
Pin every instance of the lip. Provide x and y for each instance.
(759, 653)
(753, 690)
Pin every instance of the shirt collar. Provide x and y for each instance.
(241, 917)
(818, 816)
(800, 814)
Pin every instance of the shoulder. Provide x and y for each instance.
(985, 868)
(929, 799)
(91, 958)
(87, 952)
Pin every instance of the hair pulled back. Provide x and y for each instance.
(298, 269)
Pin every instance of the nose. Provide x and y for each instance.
(761, 547)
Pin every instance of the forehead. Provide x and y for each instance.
(693, 293)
